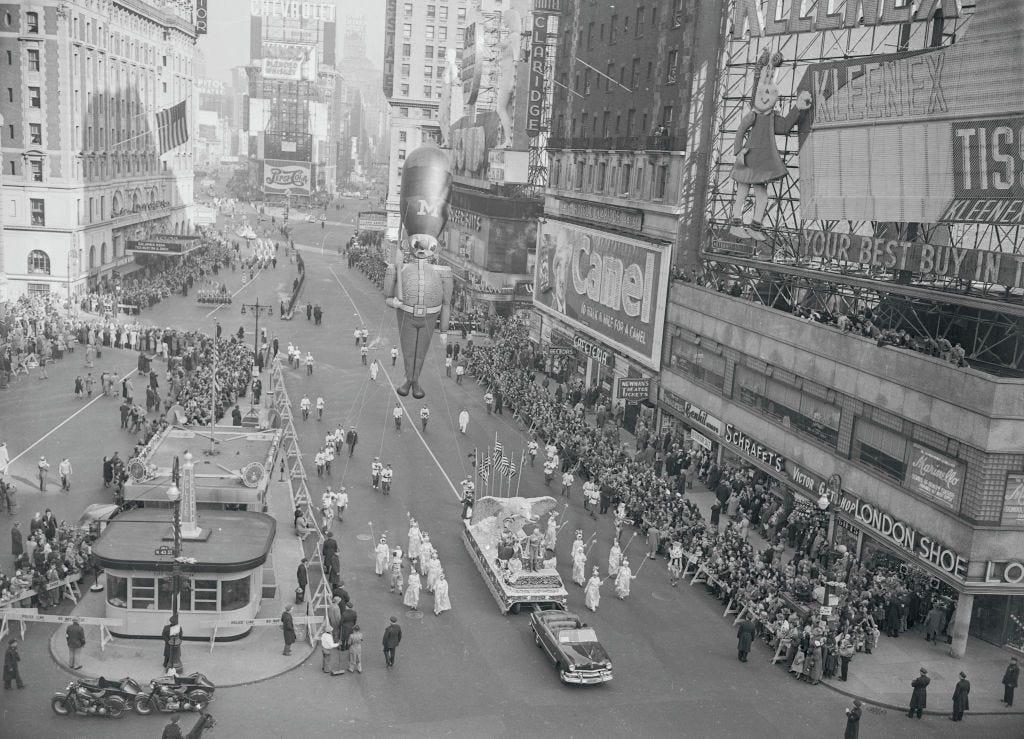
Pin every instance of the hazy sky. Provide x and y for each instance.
(227, 43)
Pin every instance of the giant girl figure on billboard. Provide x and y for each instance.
(421, 292)
(757, 157)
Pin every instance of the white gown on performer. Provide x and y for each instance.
(426, 551)
(577, 546)
(441, 601)
(579, 567)
(383, 558)
(614, 559)
(551, 534)
(592, 593)
(414, 542)
(412, 591)
(623, 580)
(433, 573)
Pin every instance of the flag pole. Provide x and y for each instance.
(522, 459)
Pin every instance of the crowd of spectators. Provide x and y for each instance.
(781, 585)
(44, 555)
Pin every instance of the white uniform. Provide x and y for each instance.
(381, 562)
(441, 601)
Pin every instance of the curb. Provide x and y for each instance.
(892, 707)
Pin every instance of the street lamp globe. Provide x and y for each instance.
(823, 502)
(173, 493)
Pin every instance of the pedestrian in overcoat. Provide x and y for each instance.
(852, 721)
(1010, 681)
(919, 698)
(744, 638)
(288, 626)
(961, 702)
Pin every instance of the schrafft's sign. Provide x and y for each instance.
(613, 287)
(779, 17)
(930, 135)
(754, 449)
(538, 62)
(904, 536)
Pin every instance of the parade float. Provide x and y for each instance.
(505, 542)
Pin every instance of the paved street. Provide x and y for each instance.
(470, 672)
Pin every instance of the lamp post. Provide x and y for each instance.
(257, 308)
(174, 495)
(825, 505)
(72, 259)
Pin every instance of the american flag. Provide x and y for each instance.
(504, 465)
(498, 449)
(172, 127)
(485, 464)
(512, 470)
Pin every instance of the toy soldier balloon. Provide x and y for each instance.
(421, 292)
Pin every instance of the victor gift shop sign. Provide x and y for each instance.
(612, 287)
(904, 536)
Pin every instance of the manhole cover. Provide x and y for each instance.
(414, 615)
(363, 537)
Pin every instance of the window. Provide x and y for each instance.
(403, 111)
(579, 175)
(403, 136)
(672, 67)
(586, 81)
(697, 362)
(38, 262)
(627, 172)
(667, 116)
(442, 33)
(165, 593)
(37, 289)
(117, 591)
(401, 155)
(10, 94)
(601, 170)
(639, 26)
(407, 30)
(143, 593)
(590, 36)
(234, 594)
(430, 33)
(460, 14)
(34, 99)
(404, 90)
(36, 169)
(406, 70)
(33, 60)
(630, 122)
(427, 91)
(612, 34)
(635, 78)
(32, 22)
(406, 50)
(442, 52)
(408, 8)
(661, 182)
(677, 14)
(428, 52)
(794, 407)
(38, 210)
(443, 12)
(431, 12)
(880, 448)
(204, 595)
(428, 71)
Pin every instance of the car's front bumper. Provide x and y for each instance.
(586, 677)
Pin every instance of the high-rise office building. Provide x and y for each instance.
(83, 172)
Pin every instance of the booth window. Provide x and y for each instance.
(698, 362)
(204, 595)
(879, 448)
(117, 591)
(143, 593)
(234, 594)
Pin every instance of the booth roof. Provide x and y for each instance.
(237, 541)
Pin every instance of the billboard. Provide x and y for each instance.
(280, 177)
(612, 287)
(283, 9)
(295, 147)
(372, 220)
(286, 61)
(472, 139)
(471, 67)
(505, 166)
(924, 136)
(935, 476)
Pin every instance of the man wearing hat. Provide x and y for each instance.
(392, 637)
(172, 730)
(76, 640)
(44, 468)
(1010, 681)
(960, 700)
(853, 720)
(919, 698)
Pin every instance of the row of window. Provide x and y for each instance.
(32, 59)
(636, 123)
(882, 449)
(615, 30)
(428, 70)
(433, 33)
(589, 80)
(39, 260)
(439, 13)
(93, 167)
(428, 52)
(600, 178)
(429, 91)
(156, 593)
(31, 21)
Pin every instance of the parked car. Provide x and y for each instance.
(96, 517)
(572, 646)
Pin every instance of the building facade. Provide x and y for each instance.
(631, 108)
(417, 38)
(294, 96)
(862, 353)
(82, 171)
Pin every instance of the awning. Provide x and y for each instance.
(171, 245)
(127, 269)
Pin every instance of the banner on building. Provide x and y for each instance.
(281, 177)
(471, 68)
(935, 476)
(508, 167)
(172, 127)
(288, 145)
(286, 61)
(612, 287)
(538, 64)
(325, 12)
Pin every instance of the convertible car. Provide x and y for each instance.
(572, 646)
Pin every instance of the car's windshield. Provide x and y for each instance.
(576, 636)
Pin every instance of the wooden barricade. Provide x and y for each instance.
(307, 621)
(25, 615)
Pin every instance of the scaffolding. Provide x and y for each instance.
(987, 318)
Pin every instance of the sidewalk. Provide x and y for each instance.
(251, 659)
(883, 677)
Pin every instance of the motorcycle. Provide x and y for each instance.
(97, 697)
(172, 693)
